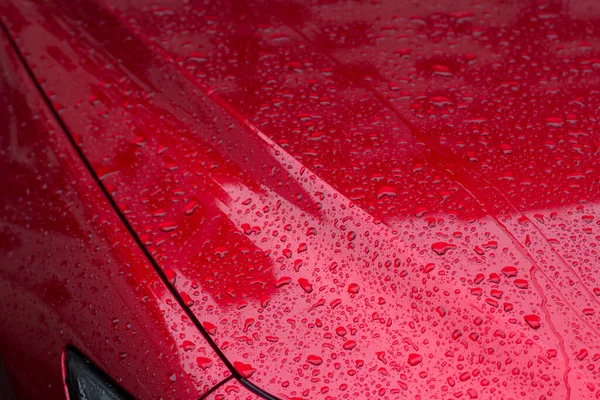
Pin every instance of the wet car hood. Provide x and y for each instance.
(355, 199)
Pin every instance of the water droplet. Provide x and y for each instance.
(188, 345)
(582, 354)
(190, 207)
(209, 327)
(521, 283)
(167, 226)
(314, 360)
(386, 191)
(245, 370)
(284, 280)
(349, 345)
(510, 271)
(533, 321)
(204, 362)
(305, 285)
(414, 359)
(353, 288)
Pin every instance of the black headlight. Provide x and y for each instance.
(87, 382)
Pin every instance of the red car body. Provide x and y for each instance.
(302, 200)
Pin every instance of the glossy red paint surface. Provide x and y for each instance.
(356, 199)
